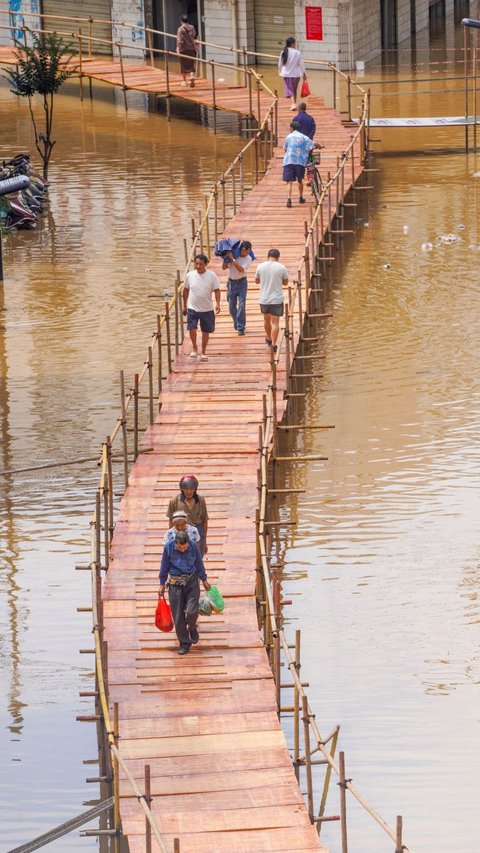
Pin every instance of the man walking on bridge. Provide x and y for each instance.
(181, 567)
(198, 287)
(297, 151)
(271, 276)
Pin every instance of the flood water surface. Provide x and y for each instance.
(78, 293)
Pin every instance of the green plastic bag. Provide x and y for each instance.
(215, 599)
(204, 606)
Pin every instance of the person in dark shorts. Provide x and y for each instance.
(198, 287)
(297, 151)
(271, 276)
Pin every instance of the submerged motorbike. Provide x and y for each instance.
(22, 208)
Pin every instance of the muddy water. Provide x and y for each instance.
(78, 310)
(383, 566)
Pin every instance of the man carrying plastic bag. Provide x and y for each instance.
(182, 567)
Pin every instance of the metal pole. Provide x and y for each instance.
(150, 384)
(308, 760)
(296, 709)
(116, 782)
(214, 97)
(159, 350)
(148, 800)
(135, 415)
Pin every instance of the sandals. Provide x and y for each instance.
(193, 353)
(203, 357)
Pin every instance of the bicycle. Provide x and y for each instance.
(314, 177)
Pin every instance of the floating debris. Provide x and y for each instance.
(406, 229)
(460, 227)
(449, 238)
(427, 247)
(387, 266)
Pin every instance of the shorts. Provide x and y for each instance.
(275, 310)
(207, 320)
(293, 172)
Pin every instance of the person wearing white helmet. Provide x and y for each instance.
(194, 506)
(179, 520)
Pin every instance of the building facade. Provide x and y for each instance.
(339, 31)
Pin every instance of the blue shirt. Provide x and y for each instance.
(175, 562)
(297, 149)
(307, 124)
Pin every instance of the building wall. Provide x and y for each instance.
(367, 36)
(218, 27)
(29, 8)
(327, 48)
(132, 37)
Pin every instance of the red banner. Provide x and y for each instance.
(313, 20)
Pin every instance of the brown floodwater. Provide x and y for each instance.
(383, 566)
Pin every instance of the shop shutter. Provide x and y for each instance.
(274, 22)
(96, 9)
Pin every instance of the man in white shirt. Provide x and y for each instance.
(198, 287)
(237, 284)
(271, 276)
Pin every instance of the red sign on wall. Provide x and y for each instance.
(313, 20)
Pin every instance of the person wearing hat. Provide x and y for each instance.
(182, 568)
(179, 519)
(194, 506)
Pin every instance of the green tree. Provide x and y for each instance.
(43, 64)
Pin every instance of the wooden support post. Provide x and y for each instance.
(80, 62)
(177, 314)
(160, 359)
(242, 186)
(287, 342)
(176, 845)
(259, 114)
(120, 56)
(106, 541)
(150, 385)
(255, 148)
(166, 295)
(215, 208)
(110, 487)
(214, 97)
(326, 783)
(334, 94)
(148, 800)
(149, 36)
(116, 782)
(276, 640)
(308, 762)
(135, 416)
(274, 408)
(399, 831)
(124, 427)
(98, 532)
(275, 141)
(200, 230)
(349, 97)
(234, 192)
(343, 801)
(250, 99)
(224, 204)
(296, 710)
(207, 228)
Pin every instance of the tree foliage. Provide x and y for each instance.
(43, 64)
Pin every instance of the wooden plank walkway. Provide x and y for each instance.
(141, 77)
(207, 724)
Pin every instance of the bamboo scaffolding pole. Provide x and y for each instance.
(135, 416)
(308, 764)
(296, 709)
(167, 326)
(124, 427)
(148, 800)
(343, 801)
(150, 384)
(159, 357)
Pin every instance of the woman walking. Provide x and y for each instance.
(292, 69)
(194, 506)
(187, 46)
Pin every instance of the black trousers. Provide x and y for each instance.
(184, 606)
